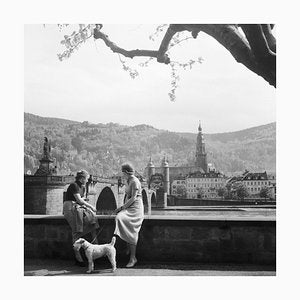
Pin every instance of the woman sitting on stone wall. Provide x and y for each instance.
(79, 213)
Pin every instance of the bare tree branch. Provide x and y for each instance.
(265, 57)
(257, 40)
(128, 53)
(267, 29)
(256, 51)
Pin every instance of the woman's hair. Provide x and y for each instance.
(128, 169)
(81, 174)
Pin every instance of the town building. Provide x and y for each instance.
(255, 182)
(204, 185)
(178, 186)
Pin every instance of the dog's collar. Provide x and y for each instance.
(85, 247)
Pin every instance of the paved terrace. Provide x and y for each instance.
(47, 267)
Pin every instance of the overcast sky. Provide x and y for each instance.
(92, 86)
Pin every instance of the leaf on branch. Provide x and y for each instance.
(73, 41)
(158, 30)
(133, 73)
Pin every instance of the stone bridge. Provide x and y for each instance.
(45, 194)
(108, 194)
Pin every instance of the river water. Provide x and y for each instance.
(225, 212)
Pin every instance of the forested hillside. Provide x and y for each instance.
(102, 148)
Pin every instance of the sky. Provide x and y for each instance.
(92, 86)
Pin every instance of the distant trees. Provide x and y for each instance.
(265, 192)
(102, 148)
(29, 163)
(221, 192)
(200, 193)
(241, 191)
(77, 143)
(181, 191)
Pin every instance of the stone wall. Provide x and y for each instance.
(167, 239)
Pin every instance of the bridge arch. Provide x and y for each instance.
(153, 200)
(106, 201)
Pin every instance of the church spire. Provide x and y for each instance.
(201, 159)
(199, 127)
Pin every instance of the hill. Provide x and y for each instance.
(102, 148)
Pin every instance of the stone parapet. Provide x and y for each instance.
(165, 239)
(50, 180)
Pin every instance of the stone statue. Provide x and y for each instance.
(45, 167)
(47, 148)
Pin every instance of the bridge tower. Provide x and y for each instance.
(166, 174)
(162, 194)
(151, 170)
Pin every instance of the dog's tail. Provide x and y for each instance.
(113, 240)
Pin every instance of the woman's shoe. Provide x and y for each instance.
(132, 263)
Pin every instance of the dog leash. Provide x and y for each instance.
(101, 228)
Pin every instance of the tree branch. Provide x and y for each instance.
(257, 40)
(239, 47)
(265, 57)
(267, 29)
(127, 53)
(255, 51)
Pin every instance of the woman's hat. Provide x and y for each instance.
(128, 169)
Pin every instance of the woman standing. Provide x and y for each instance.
(130, 216)
(78, 212)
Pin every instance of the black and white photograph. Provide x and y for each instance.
(151, 154)
(146, 158)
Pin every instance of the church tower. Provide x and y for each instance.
(201, 159)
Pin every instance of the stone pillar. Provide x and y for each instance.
(161, 198)
(43, 195)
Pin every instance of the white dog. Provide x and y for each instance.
(93, 252)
